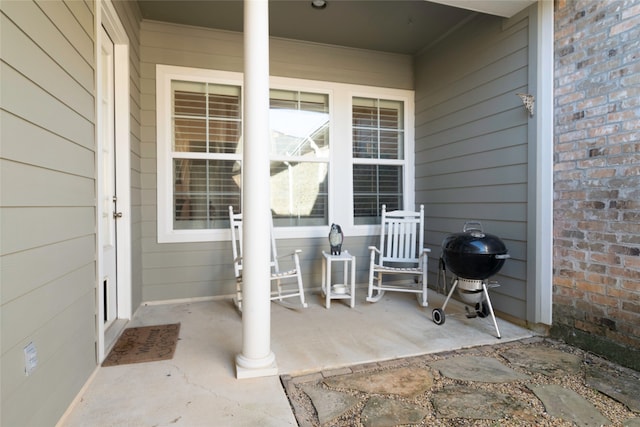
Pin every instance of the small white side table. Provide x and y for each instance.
(349, 287)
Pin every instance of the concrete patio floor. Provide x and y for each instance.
(198, 386)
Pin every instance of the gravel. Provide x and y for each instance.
(531, 412)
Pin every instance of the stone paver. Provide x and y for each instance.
(404, 381)
(408, 391)
(545, 361)
(329, 404)
(454, 402)
(567, 404)
(475, 368)
(623, 388)
(381, 412)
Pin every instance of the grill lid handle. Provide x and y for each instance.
(473, 227)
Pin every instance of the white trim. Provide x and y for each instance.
(107, 16)
(340, 160)
(544, 174)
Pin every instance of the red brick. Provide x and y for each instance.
(626, 273)
(623, 294)
(631, 262)
(605, 258)
(600, 279)
(570, 98)
(604, 130)
(566, 282)
(631, 307)
(588, 327)
(624, 26)
(572, 136)
(631, 285)
(591, 287)
(592, 102)
(622, 137)
(631, 12)
(622, 116)
(604, 300)
(625, 316)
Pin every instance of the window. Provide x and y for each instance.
(378, 157)
(337, 152)
(205, 153)
(299, 157)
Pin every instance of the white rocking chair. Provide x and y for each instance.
(401, 251)
(282, 290)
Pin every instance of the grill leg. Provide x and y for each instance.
(493, 317)
(453, 288)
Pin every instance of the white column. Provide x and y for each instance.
(256, 359)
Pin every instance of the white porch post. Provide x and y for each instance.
(256, 359)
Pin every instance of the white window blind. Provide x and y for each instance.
(206, 154)
(378, 157)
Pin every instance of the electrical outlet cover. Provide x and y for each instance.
(30, 358)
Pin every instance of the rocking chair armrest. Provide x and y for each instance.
(294, 254)
(373, 250)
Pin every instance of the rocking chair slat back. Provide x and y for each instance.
(236, 242)
(401, 252)
(404, 236)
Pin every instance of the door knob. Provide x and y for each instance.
(117, 215)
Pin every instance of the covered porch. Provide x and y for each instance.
(198, 386)
(506, 189)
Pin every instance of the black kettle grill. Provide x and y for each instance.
(472, 256)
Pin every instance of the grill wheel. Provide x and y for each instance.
(438, 316)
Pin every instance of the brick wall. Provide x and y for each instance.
(597, 175)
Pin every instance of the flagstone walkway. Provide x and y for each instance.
(530, 382)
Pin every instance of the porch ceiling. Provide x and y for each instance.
(397, 26)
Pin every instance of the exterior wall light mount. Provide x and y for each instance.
(318, 4)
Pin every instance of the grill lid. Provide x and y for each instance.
(473, 254)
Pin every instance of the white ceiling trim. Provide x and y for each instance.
(504, 8)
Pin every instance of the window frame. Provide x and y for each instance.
(340, 159)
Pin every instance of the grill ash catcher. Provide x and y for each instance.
(473, 256)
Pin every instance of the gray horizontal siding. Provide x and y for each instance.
(38, 106)
(39, 147)
(291, 58)
(53, 261)
(50, 38)
(184, 270)
(47, 212)
(223, 50)
(64, 366)
(472, 143)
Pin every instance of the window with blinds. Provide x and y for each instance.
(378, 157)
(337, 152)
(206, 153)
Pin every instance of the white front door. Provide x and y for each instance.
(109, 205)
(113, 165)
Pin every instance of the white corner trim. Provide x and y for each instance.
(544, 174)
